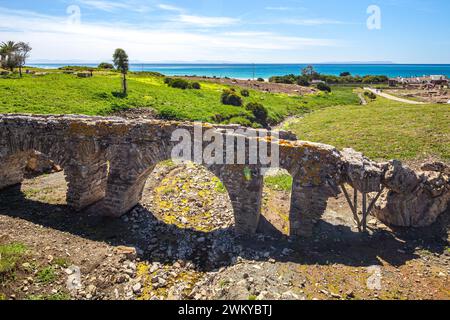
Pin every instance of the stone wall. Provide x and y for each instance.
(107, 161)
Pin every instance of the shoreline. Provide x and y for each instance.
(265, 71)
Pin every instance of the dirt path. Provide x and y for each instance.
(391, 97)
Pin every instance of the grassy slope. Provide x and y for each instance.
(59, 93)
(382, 130)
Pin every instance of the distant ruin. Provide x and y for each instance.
(108, 160)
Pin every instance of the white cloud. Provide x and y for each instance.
(169, 7)
(111, 6)
(202, 21)
(53, 38)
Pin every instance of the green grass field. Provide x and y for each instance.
(383, 129)
(57, 93)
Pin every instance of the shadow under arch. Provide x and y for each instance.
(352, 249)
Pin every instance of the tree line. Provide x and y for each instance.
(13, 55)
(309, 74)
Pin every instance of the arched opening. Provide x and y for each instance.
(32, 183)
(84, 179)
(44, 180)
(188, 196)
(276, 202)
(294, 208)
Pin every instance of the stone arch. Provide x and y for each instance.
(132, 165)
(84, 163)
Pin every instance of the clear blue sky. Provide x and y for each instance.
(411, 31)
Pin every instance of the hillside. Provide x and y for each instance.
(383, 129)
(66, 94)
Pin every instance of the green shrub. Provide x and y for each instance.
(195, 86)
(323, 87)
(288, 79)
(168, 81)
(259, 112)
(179, 84)
(182, 84)
(303, 81)
(230, 97)
(77, 68)
(370, 95)
(106, 65)
(245, 93)
(261, 80)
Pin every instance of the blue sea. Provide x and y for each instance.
(250, 71)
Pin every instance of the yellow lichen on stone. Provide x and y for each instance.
(103, 128)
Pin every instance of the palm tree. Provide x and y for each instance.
(120, 59)
(23, 51)
(8, 51)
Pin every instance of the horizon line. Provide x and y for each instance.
(37, 61)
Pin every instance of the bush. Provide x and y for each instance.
(177, 83)
(323, 87)
(303, 81)
(195, 86)
(84, 74)
(106, 65)
(77, 68)
(261, 80)
(345, 74)
(245, 93)
(230, 97)
(182, 84)
(370, 95)
(289, 79)
(259, 112)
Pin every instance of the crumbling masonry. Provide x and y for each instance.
(107, 161)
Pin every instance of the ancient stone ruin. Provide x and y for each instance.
(107, 161)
